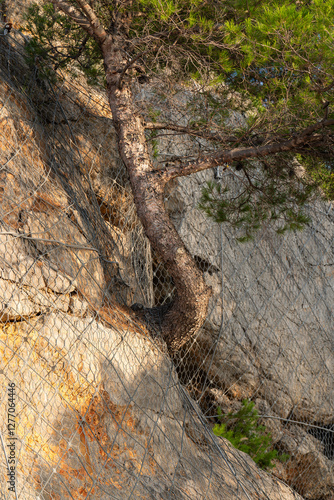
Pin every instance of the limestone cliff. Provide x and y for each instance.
(100, 409)
(100, 412)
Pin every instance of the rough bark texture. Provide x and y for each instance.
(188, 311)
(189, 308)
(298, 143)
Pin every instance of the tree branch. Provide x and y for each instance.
(190, 131)
(213, 160)
(99, 31)
(320, 89)
(74, 14)
(128, 65)
(89, 22)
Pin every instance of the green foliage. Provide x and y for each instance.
(277, 54)
(154, 143)
(271, 60)
(322, 173)
(59, 43)
(246, 434)
(280, 53)
(268, 195)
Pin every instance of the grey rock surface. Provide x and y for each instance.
(102, 411)
(269, 332)
(101, 408)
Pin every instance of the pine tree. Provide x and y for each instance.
(245, 433)
(271, 62)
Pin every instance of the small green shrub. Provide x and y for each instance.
(246, 434)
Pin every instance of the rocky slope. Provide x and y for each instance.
(101, 411)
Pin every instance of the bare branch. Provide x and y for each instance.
(250, 180)
(74, 14)
(127, 66)
(89, 22)
(320, 89)
(99, 31)
(191, 131)
(209, 161)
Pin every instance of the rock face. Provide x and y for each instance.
(278, 296)
(269, 333)
(100, 409)
(101, 414)
(275, 344)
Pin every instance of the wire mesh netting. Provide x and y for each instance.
(92, 405)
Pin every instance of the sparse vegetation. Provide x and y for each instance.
(245, 433)
(259, 81)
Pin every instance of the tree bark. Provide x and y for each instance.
(297, 144)
(189, 308)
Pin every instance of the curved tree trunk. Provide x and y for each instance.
(189, 308)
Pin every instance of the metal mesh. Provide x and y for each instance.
(100, 409)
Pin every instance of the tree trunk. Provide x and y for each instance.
(189, 308)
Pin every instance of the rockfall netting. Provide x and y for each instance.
(91, 404)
